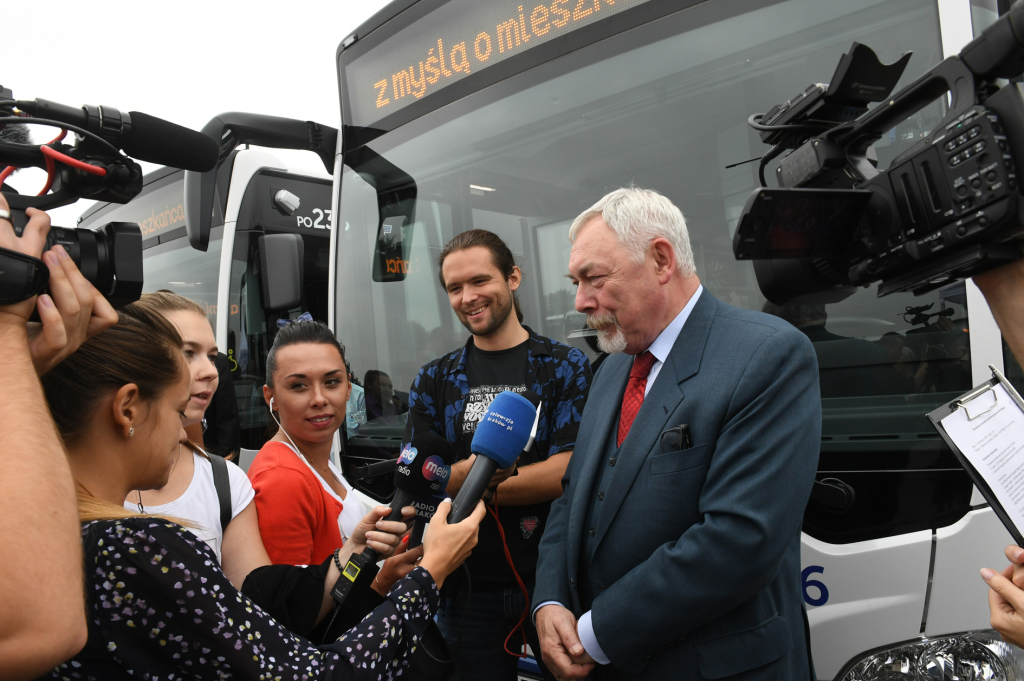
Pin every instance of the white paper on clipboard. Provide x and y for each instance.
(989, 431)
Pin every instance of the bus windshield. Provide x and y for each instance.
(662, 105)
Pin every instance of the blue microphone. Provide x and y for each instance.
(500, 437)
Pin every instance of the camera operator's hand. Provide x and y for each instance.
(1003, 288)
(72, 312)
(446, 547)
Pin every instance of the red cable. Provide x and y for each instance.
(73, 162)
(51, 173)
(51, 169)
(508, 556)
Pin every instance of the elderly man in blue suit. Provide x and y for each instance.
(674, 551)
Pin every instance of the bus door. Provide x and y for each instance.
(269, 207)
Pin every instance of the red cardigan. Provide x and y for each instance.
(298, 518)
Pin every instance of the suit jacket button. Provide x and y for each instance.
(611, 461)
(600, 496)
(572, 583)
(593, 531)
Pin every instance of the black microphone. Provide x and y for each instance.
(420, 473)
(141, 136)
(500, 438)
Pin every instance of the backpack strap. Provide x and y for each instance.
(223, 487)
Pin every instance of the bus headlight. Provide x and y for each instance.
(970, 656)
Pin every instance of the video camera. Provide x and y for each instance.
(94, 168)
(948, 208)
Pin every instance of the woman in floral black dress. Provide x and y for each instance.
(158, 605)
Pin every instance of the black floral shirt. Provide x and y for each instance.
(160, 608)
(560, 375)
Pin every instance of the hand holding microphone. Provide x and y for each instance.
(421, 471)
(505, 430)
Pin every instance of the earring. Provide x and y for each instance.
(131, 431)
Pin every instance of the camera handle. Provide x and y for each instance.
(951, 75)
(21, 276)
(997, 52)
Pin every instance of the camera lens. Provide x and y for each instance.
(109, 257)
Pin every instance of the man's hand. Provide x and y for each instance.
(461, 469)
(560, 646)
(1003, 289)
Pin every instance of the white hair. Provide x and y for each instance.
(638, 217)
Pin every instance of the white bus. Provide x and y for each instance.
(229, 277)
(515, 116)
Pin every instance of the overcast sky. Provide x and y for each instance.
(185, 61)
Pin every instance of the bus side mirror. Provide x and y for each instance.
(281, 273)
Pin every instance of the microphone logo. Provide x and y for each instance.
(434, 468)
(408, 455)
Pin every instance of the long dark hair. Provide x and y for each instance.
(501, 255)
(142, 348)
(301, 332)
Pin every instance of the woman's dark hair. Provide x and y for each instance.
(142, 348)
(300, 332)
(501, 255)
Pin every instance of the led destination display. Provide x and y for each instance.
(459, 38)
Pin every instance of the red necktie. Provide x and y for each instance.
(634, 396)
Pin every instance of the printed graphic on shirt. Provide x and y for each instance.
(479, 399)
(528, 525)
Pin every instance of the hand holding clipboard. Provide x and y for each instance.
(985, 429)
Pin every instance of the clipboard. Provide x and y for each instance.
(975, 406)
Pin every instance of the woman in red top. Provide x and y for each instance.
(300, 494)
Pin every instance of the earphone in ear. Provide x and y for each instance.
(274, 416)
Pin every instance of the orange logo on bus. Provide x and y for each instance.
(397, 266)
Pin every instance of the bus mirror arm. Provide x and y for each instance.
(234, 128)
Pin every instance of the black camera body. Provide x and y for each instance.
(109, 257)
(947, 208)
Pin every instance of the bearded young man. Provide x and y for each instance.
(448, 397)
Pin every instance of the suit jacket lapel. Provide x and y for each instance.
(596, 430)
(665, 395)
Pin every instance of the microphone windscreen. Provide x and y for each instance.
(505, 428)
(421, 469)
(169, 144)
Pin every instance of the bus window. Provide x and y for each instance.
(365, 324)
(664, 106)
(178, 267)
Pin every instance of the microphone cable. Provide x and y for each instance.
(493, 509)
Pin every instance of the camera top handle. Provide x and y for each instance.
(997, 53)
